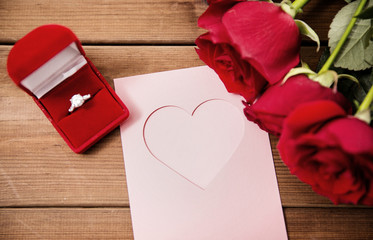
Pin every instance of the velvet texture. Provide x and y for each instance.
(36, 48)
(84, 122)
(99, 115)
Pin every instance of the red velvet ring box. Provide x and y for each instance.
(49, 63)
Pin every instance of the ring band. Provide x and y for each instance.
(77, 101)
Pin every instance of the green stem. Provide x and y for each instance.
(343, 39)
(298, 4)
(367, 101)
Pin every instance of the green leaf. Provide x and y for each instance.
(368, 37)
(349, 77)
(366, 80)
(304, 64)
(308, 31)
(325, 79)
(369, 58)
(288, 8)
(353, 53)
(366, 13)
(296, 71)
(364, 116)
(354, 92)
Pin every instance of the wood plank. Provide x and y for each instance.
(119, 61)
(48, 192)
(130, 21)
(65, 223)
(109, 21)
(115, 223)
(38, 169)
(327, 223)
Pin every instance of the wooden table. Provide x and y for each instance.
(49, 192)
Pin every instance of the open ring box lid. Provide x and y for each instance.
(49, 63)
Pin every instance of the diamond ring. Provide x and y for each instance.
(77, 100)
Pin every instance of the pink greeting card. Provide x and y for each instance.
(195, 167)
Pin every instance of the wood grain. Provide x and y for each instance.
(49, 192)
(65, 223)
(115, 223)
(329, 223)
(130, 21)
(35, 161)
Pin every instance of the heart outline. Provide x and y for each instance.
(191, 115)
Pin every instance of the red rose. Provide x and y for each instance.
(248, 44)
(277, 102)
(330, 151)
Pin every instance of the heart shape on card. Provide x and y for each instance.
(197, 144)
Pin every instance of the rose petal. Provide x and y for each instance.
(316, 145)
(211, 20)
(312, 113)
(267, 37)
(352, 134)
(279, 100)
(237, 75)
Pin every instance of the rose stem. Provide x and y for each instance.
(343, 39)
(367, 100)
(298, 4)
